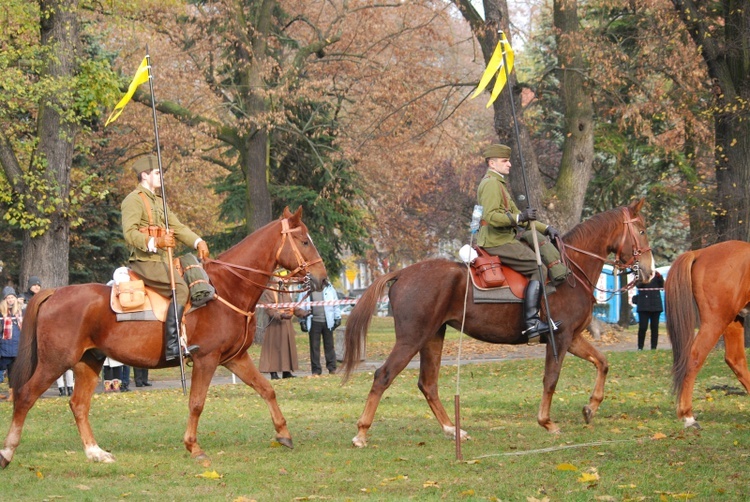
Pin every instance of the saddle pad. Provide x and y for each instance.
(495, 295)
(143, 315)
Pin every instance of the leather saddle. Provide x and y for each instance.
(154, 308)
(488, 272)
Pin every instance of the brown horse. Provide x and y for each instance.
(715, 281)
(428, 296)
(74, 326)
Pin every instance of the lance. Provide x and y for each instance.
(173, 303)
(534, 238)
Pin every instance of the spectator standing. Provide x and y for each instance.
(65, 383)
(125, 384)
(649, 308)
(112, 374)
(323, 319)
(12, 319)
(34, 286)
(141, 377)
(278, 354)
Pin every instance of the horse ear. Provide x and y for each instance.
(635, 206)
(286, 213)
(297, 216)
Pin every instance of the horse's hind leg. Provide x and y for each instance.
(243, 367)
(429, 369)
(24, 399)
(734, 343)
(704, 341)
(582, 348)
(399, 357)
(86, 375)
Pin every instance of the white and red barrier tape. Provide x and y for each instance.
(323, 303)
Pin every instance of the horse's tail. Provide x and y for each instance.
(26, 361)
(682, 314)
(359, 321)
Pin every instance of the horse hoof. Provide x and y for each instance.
(4, 462)
(359, 442)
(286, 442)
(203, 459)
(692, 423)
(588, 415)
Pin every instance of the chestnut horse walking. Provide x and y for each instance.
(428, 296)
(715, 281)
(74, 326)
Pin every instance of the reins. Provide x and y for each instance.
(302, 266)
(617, 263)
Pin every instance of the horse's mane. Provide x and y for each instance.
(586, 231)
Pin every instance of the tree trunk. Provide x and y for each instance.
(256, 172)
(46, 255)
(578, 148)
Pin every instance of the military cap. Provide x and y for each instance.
(497, 152)
(145, 163)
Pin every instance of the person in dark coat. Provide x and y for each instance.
(649, 308)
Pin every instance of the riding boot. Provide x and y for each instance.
(172, 335)
(70, 391)
(534, 326)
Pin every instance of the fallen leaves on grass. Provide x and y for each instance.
(209, 475)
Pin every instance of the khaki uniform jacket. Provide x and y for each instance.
(135, 217)
(499, 212)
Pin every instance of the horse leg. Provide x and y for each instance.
(86, 374)
(551, 376)
(580, 347)
(397, 360)
(23, 400)
(243, 367)
(734, 356)
(704, 341)
(429, 369)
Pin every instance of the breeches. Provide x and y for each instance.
(155, 274)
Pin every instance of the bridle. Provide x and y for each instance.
(299, 274)
(632, 262)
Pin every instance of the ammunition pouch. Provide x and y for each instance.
(153, 231)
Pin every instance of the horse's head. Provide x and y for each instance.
(297, 253)
(634, 250)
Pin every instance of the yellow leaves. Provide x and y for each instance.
(566, 467)
(430, 484)
(209, 475)
(400, 477)
(658, 435)
(665, 496)
(242, 498)
(468, 493)
(589, 477)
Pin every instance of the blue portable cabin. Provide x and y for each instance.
(607, 307)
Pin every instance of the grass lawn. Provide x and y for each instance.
(635, 449)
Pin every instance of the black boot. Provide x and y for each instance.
(274, 375)
(287, 374)
(172, 335)
(62, 390)
(533, 324)
(70, 391)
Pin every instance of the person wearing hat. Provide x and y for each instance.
(278, 354)
(11, 319)
(144, 230)
(501, 221)
(34, 286)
